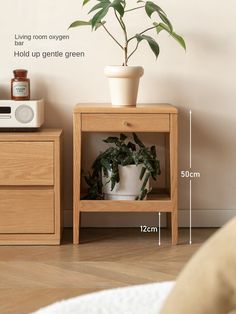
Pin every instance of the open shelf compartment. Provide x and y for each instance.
(157, 201)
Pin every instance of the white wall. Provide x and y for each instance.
(203, 79)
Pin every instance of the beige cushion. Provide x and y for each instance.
(207, 285)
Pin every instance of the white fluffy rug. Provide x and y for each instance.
(142, 299)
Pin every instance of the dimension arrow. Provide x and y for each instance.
(190, 139)
(190, 212)
(190, 182)
(159, 217)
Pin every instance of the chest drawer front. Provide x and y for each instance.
(125, 122)
(26, 163)
(26, 211)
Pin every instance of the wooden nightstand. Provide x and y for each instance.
(30, 187)
(143, 118)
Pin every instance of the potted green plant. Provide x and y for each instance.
(124, 79)
(123, 170)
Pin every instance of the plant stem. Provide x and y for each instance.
(126, 42)
(135, 8)
(112, 36)
(125, 48)
(131, 38)
(117, 17)
(130, 55)
(146, 30)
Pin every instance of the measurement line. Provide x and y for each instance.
(190, 139)
(190, 212)
(159, 242)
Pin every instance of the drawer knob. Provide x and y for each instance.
(126, 123)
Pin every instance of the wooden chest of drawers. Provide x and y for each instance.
(30, 187)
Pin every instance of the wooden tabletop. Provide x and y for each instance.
(42, 133)
(140, 108)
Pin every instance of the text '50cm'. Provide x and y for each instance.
(189, 174)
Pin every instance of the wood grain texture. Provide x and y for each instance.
(61, 184)
(26, 163)
(43, 134)
(126, 206)
(33, 277)
(144, 118)
(140, 108)
(30, 183)
(167, 161)
(125, 122)
(57, 188)
(29, 239)
(167, 173)
(27, 211)
(76, 175)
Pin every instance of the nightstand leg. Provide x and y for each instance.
(76, 227)
(174, 227)
(76, 176)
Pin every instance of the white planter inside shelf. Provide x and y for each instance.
(124, 83)
(129, 186)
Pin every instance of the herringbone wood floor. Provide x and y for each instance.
(32, 277)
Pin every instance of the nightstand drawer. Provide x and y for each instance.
(125, 122)
(26, 163)
(27, 211)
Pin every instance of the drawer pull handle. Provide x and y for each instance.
(125, 123)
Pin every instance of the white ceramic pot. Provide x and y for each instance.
(123, 82)
(129, 186)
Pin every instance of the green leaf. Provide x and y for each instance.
(143, 194)
(131, 146)
(100, 24)
(178, 38)
(105, 163)
(99, 16)
(127, 161)
(153, 151)
(99, 6)
(148, 165)
(116, 4)
(166, 21)
(142, 173)
(145, 181)
(115, 177)
(137, 140)
(123, 137)
(151, 7)
(79, 23)
(111, 139)
(105, 5)
(113, 183)
(85, 2)
(151, 41)
(105, 172)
